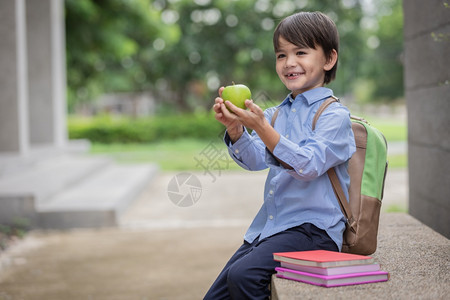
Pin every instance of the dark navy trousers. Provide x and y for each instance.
(248, 273)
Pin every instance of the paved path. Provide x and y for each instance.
(160, 251)
(231, 200)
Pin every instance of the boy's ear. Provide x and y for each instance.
(331, 60)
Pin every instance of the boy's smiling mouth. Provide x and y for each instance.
(294, 75)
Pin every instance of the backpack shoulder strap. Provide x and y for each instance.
(272, 123)
(337, 187)
(274, 116)
(322, 107)
(339, 192)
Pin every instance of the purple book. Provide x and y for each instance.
(334, 270)
(332, 280)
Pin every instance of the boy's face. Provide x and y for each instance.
(302, 69)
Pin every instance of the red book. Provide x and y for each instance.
(322, 258)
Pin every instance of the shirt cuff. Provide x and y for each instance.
(237, 147)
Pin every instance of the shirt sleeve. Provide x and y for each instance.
(249, 151)
(330, 144)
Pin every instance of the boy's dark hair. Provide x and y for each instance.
(308, 29)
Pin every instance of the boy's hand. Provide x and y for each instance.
(230, 120)
(252, 118)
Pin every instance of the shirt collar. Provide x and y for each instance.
(310, 96)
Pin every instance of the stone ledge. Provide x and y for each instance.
(417, 258)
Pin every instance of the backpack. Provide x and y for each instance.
(367, 169)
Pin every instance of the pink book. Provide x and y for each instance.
(332, 280)
(333, 270)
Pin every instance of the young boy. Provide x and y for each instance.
(300, 210)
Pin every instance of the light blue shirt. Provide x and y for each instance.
(304, 194)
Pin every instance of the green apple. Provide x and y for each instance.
(237, 94)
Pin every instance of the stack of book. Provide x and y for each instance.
(328, 268)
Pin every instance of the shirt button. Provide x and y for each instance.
(236, 151)
(294, 110)
(300, 171)
(287, 136)
(271, 192)
(271, 217)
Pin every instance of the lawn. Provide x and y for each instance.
(182, 154)
(393, 130)
(192, 154)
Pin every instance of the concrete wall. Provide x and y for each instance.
(427, 89)
(13, 78)
(46, 71)
(32, 75)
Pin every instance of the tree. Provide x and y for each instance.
(109, 45)
(382, 72)
(224, 41)
(184, 50)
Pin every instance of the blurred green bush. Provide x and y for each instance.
(108, 129)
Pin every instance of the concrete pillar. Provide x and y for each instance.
(427, 90)
(14, 134)
(46, 72)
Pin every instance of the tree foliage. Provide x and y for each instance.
(110, 46)
(387, 73)
(183, 50)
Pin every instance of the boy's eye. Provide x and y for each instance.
(301, 52)
(280, 55)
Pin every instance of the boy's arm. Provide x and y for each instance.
(235, 133)
(331, 144)
(271, 138)
(254, 118)
(248, 151)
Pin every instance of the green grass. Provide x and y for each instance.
(184, 154)
(393, 208)
(398, 161)
(393, 130)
